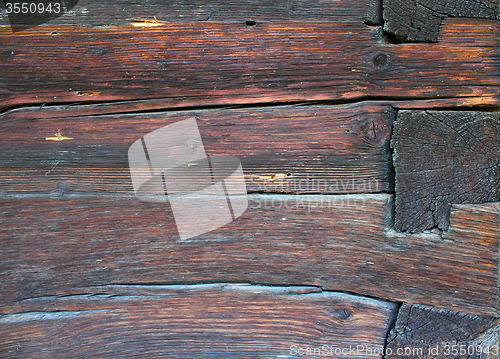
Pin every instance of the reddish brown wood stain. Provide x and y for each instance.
(306, 94)
(273, 62)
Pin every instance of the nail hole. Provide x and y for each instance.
(347, 131)
(53, 33)
(250, 23)
(289, 174)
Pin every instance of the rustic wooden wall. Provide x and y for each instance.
(368, 132)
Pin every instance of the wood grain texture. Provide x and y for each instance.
(324, 149)
(489, 341)
(421, 20)
(428, 332)
(52, 246)
(441, 158)
(89, 271)
(204, 63)
(120, 12)
(204, 321)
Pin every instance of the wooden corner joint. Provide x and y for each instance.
(447, 166)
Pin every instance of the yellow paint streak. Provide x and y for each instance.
(58, 137)
(147, 23)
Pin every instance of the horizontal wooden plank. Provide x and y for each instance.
(324, 149)
(119, 12)
(427, 332)
(205, 321)
(441, 158)
(200, 63)
(52, 245)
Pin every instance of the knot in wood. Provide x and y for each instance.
(343, 314)
(376, 131)
(381, 60)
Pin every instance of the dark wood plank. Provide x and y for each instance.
(270, 62)
(51, 246)
(441, 158)
(421, 20)
(427, 332)
(119, 12)
(200, 321)
(324, 149)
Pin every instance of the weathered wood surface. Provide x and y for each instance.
(51, 246)
(489, 341)
(69, 225)
(231, 63)
(441, 158)
(120, 12)
(421, 20)
(324, 149)
(204, 321)
(427, 332)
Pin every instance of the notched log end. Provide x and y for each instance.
(418, 324)
(374, 16)
(421, 20)
(443, 158)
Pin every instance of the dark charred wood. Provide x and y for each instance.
(421, 20)
(434, 333)
(442, 158)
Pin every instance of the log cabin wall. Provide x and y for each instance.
(369, 136)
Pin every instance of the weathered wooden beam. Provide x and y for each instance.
(421, 20)
(50, 246)
(324, 149)
(205, 63)
(200, 321)
(122, 12)
(427, 332)
(442, 158)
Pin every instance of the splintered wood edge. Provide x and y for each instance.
(74, 301)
